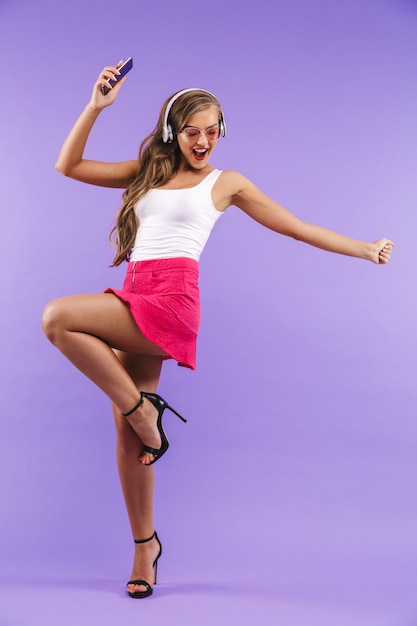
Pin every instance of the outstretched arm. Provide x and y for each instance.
(257, 205)
(70, 160)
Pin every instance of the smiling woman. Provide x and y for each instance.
(119, 339)
(196, 143)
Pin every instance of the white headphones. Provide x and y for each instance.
(168, 133)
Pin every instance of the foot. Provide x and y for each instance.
(143, 421)
(145, 555)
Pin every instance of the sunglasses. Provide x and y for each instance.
(193, 134)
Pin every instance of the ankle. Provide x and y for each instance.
(149, 537)
(137, 405)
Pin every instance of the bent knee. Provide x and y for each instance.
(52, 320)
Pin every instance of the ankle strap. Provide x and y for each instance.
(135, 407)
(145, 540)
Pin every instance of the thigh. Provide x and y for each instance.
(104, 316)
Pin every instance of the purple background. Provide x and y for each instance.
(290, 496)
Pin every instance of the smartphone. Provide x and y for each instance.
(124, 69)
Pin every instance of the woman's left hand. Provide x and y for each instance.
(383, 249)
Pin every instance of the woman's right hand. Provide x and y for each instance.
(98, 99)
(71, 160)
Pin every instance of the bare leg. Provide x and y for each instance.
(137, 480)
(85, 329)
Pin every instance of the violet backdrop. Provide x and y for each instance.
(290, 496)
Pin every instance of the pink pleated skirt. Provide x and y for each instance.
(164, 300)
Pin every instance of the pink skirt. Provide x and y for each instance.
(164, 300)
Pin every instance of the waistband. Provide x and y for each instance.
(163, 264)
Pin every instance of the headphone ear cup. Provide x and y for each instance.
(167, 135)
(222, 128)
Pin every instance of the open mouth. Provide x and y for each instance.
(200, 154)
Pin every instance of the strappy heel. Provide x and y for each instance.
(148, 591)
(160, 404)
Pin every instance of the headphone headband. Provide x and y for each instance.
(167, 132)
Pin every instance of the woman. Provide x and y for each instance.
(120, 338)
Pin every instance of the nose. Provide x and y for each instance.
(202, 139)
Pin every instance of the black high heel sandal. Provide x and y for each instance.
(144, 583)
(160, 404)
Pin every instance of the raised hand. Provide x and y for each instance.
(98, 99)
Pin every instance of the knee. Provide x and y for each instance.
(52, 320)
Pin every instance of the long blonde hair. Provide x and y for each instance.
(158, 162)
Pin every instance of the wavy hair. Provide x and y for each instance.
(158, 162)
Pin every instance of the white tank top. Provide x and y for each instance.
(175, 222)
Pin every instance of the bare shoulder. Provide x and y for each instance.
(233, 181)
(227, 189)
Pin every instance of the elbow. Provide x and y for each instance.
(299, 232)
(292, 233)
(62, 169)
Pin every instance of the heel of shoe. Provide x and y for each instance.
(159, 403)
(155, 563)
(176, 413)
